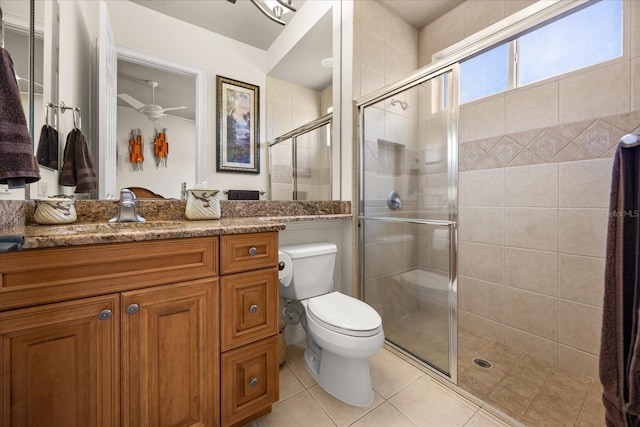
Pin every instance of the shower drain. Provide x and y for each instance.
(482, 363)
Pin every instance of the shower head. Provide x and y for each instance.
(403, 104)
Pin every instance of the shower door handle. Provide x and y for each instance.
(393, 200)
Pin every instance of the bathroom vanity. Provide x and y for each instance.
(163, 332)
(166, 323)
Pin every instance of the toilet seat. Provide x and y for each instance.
(343, 314)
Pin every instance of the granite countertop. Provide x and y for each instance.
(165, 220)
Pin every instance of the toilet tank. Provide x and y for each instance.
(312, 270)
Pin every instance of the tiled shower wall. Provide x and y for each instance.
(534, 182)
(386, 49)
(288, 107)
(535, 166)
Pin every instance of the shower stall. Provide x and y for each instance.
(407, 214)
(300, 162)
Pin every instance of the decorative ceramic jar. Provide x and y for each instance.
(55, 211)
(203, 204)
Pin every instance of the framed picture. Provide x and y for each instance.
(237, 124)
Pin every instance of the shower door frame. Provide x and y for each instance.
(326, 120)
(452, 179)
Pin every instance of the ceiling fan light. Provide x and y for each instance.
(277, 11)
(273, 4)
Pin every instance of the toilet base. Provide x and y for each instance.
(344, 378)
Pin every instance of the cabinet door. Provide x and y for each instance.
(170, 362)
(250, 381)
(60, 364)
(249, 307)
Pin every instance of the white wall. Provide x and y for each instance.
(137, 27)
(165, 181)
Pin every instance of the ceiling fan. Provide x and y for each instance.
(152, 111)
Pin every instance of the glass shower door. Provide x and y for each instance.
(408, 214)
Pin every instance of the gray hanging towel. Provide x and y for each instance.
(47, 153)
(620, 347)
(18, 165)
(77, 169)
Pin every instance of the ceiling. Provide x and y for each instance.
(243, 22)
(420, 13)
(173, 90)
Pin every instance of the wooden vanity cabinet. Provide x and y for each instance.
(169, 355)
(169, 333)
(146, 353)
(60, 364)
(249, 326)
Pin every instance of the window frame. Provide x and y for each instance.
(513, 63)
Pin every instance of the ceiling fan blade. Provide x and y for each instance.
(173, 108)
(180, 118)
(131, 101)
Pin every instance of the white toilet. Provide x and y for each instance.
(342, 332)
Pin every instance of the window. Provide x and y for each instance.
(591, 35)
(485, 74)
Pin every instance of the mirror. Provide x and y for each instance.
(299, 93)
(38, 83)
(186, 44)
(156, 154)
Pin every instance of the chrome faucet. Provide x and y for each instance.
(127, 211)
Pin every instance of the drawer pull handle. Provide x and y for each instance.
(253, 308)
(252, 251)
(133, 309)
(253, 381)
(104, 314)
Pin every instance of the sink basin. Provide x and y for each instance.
(104, 227)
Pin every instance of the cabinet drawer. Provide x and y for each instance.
(242, 252)
(249, 381)
(39, 276)
(249, 307)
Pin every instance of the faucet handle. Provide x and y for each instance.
(127, 195)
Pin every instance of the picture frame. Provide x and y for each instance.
(237, 126)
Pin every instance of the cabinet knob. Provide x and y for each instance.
(253, 251)
(104, 314)
(253, 381)
(253, 308)
(133, 308)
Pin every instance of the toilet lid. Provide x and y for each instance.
(344, 314)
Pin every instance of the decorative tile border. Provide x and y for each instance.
(586, 140)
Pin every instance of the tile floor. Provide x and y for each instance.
(403, 396)
(526, 388)
(517, 390)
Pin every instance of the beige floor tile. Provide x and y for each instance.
(341, 413)
(536, 363)
(477, 381)
(384, 415)
(289, 384)
(427, 403)
(483, 418)
(299, 410)
(513, 395)
(560, 401)
(390, 374)
(593, 410)
(502, 357)
(295, 362)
